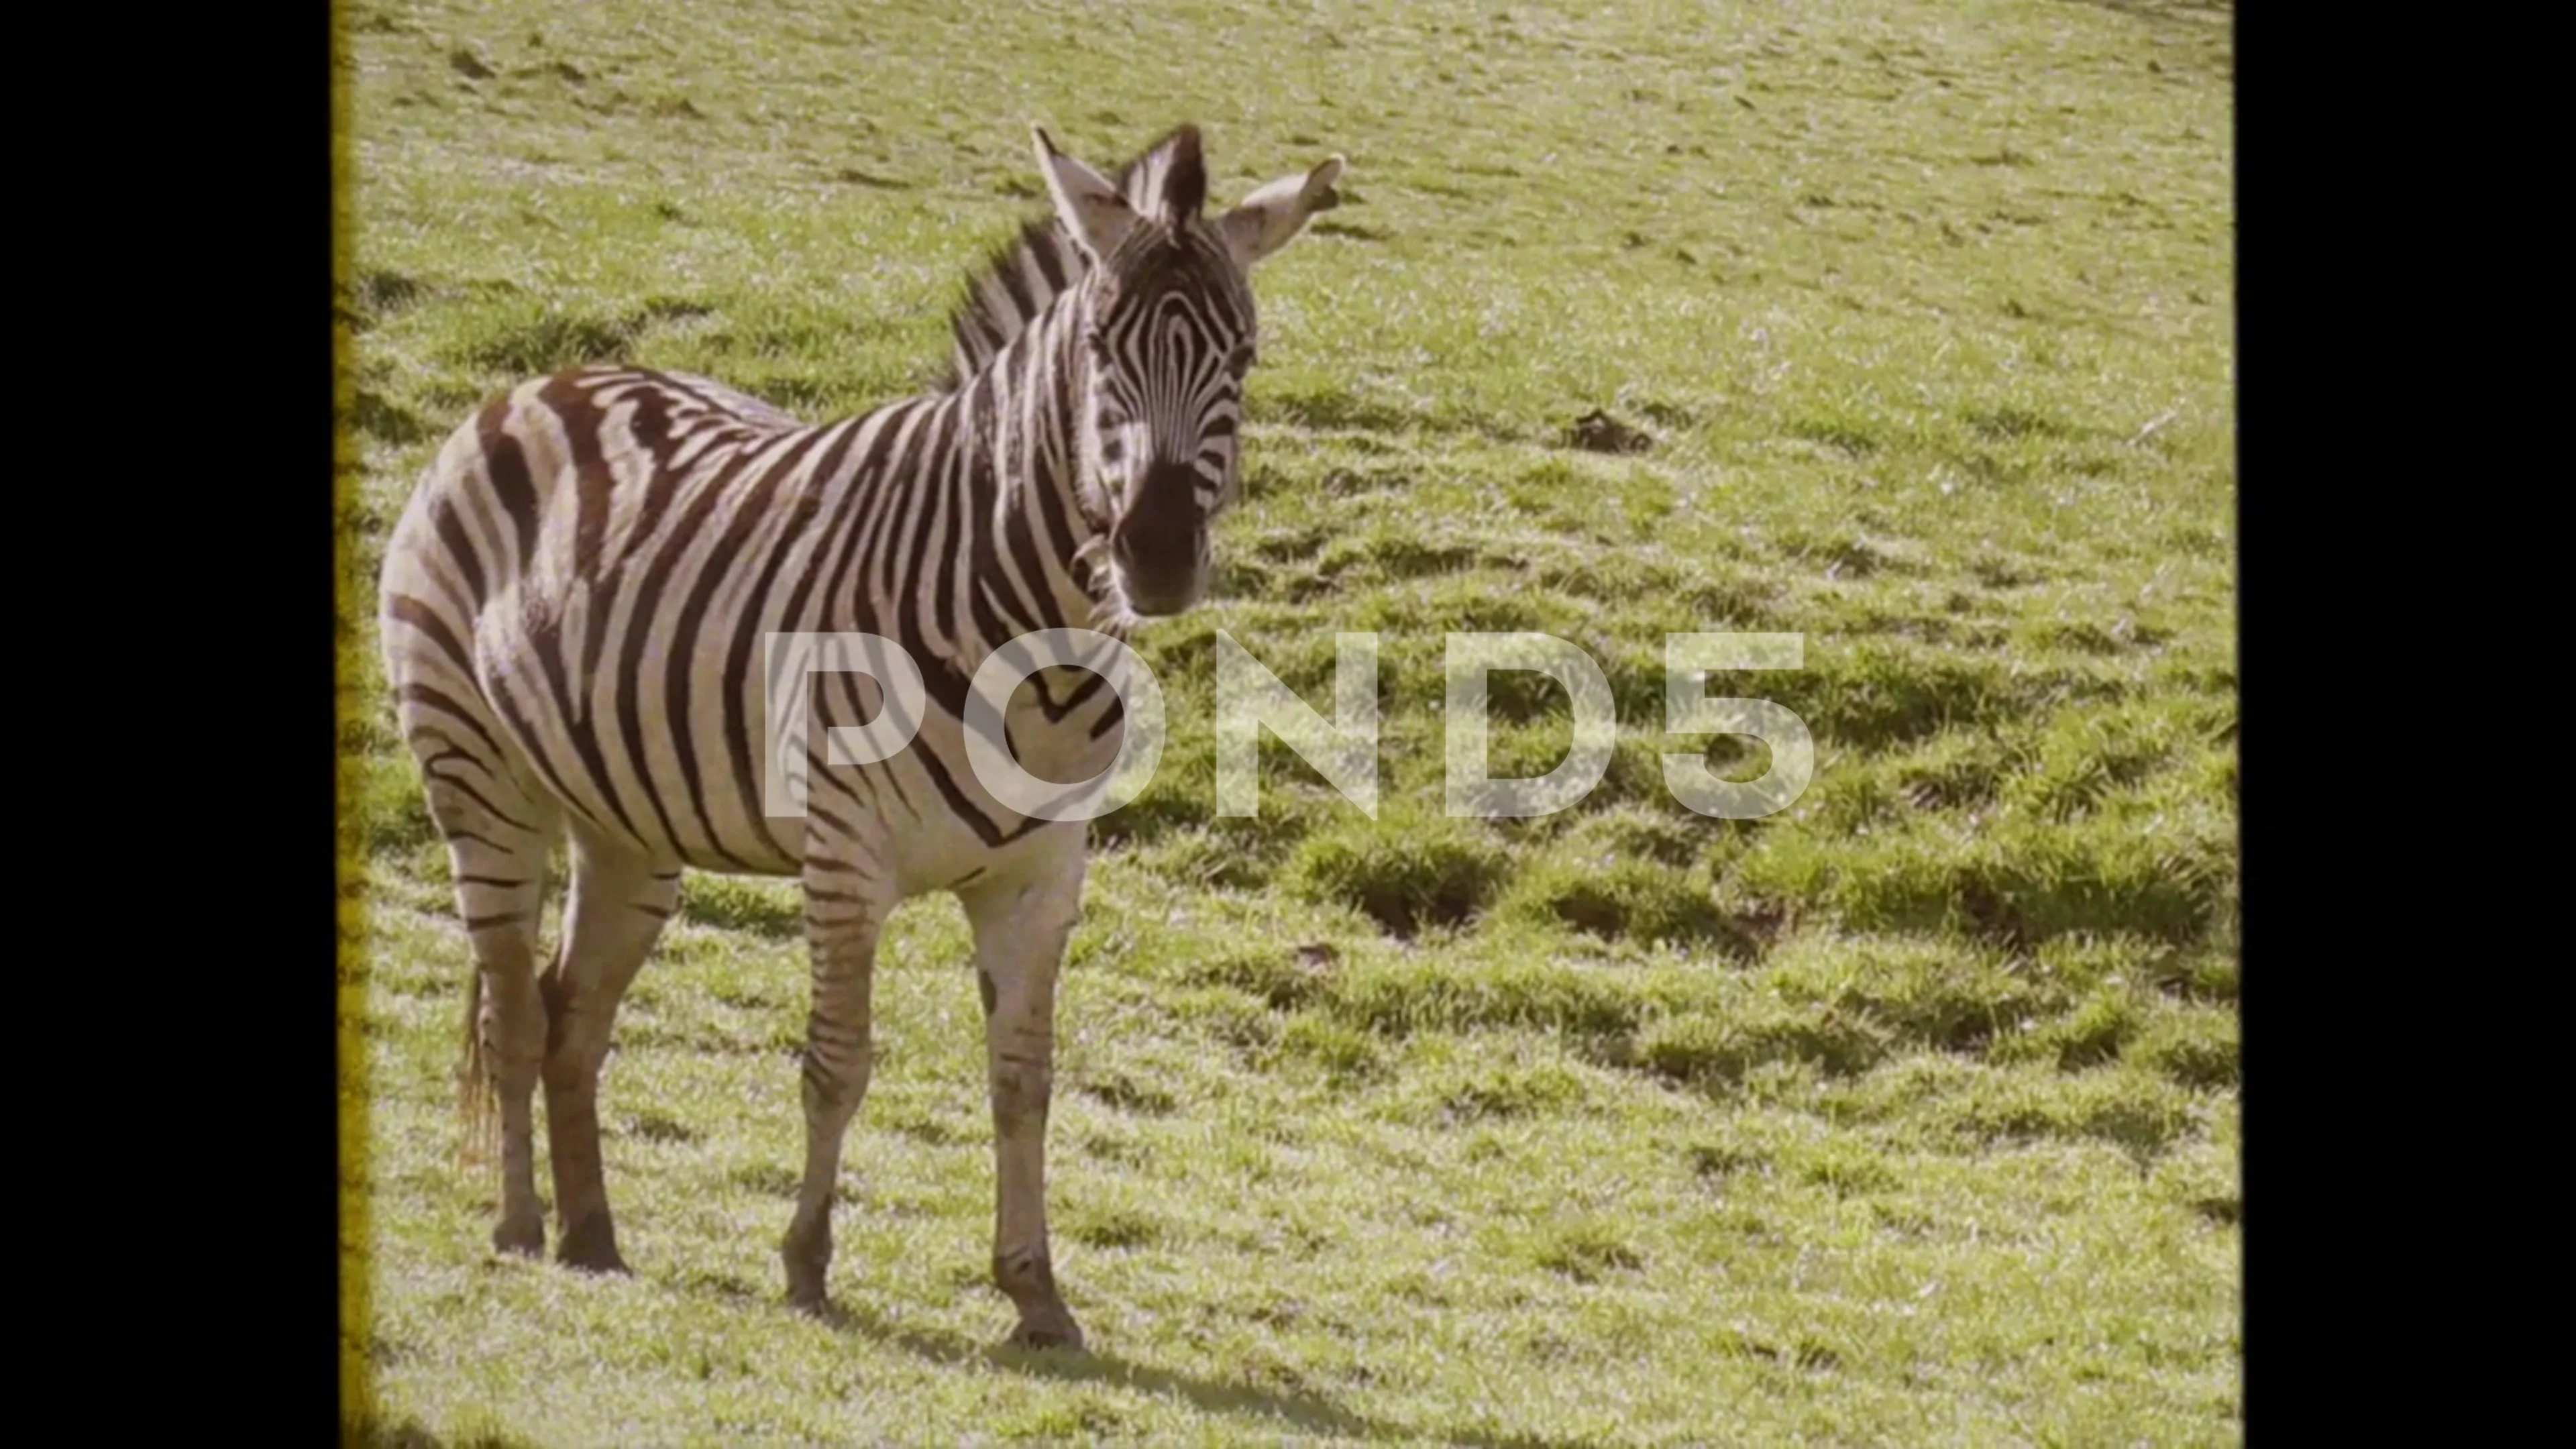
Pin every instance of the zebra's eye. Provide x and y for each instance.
(1241, 361)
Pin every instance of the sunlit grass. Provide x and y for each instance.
(1907, 1115)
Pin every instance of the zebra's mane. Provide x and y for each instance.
(1023, 275)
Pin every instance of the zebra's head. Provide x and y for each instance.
(1168, 333)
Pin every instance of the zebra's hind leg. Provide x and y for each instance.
(1021, 928)
(618, 904)
(845, 908)
(497, 852)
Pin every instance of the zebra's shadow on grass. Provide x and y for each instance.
(1307, 1413)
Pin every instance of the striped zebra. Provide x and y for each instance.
(574, 600)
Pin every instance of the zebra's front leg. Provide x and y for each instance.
(1021, 929)
(844, 911)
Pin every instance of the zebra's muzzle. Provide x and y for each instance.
(1160, 543)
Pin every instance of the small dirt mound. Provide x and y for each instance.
(1598, 432)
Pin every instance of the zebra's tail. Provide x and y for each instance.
(477, 1101)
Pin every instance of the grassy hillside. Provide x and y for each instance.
(1906, 1115)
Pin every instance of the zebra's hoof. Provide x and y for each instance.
(520, 1239)
(806, 1269)
(591, 1246)
(1056, 1330)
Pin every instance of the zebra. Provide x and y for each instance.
(569, 606)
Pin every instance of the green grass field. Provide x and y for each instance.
(1908, 1115)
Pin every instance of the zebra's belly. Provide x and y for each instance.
(930, 822)
(920, 821)
(672, 755)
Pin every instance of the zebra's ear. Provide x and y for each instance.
(1092, 211)
(1270, 218)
